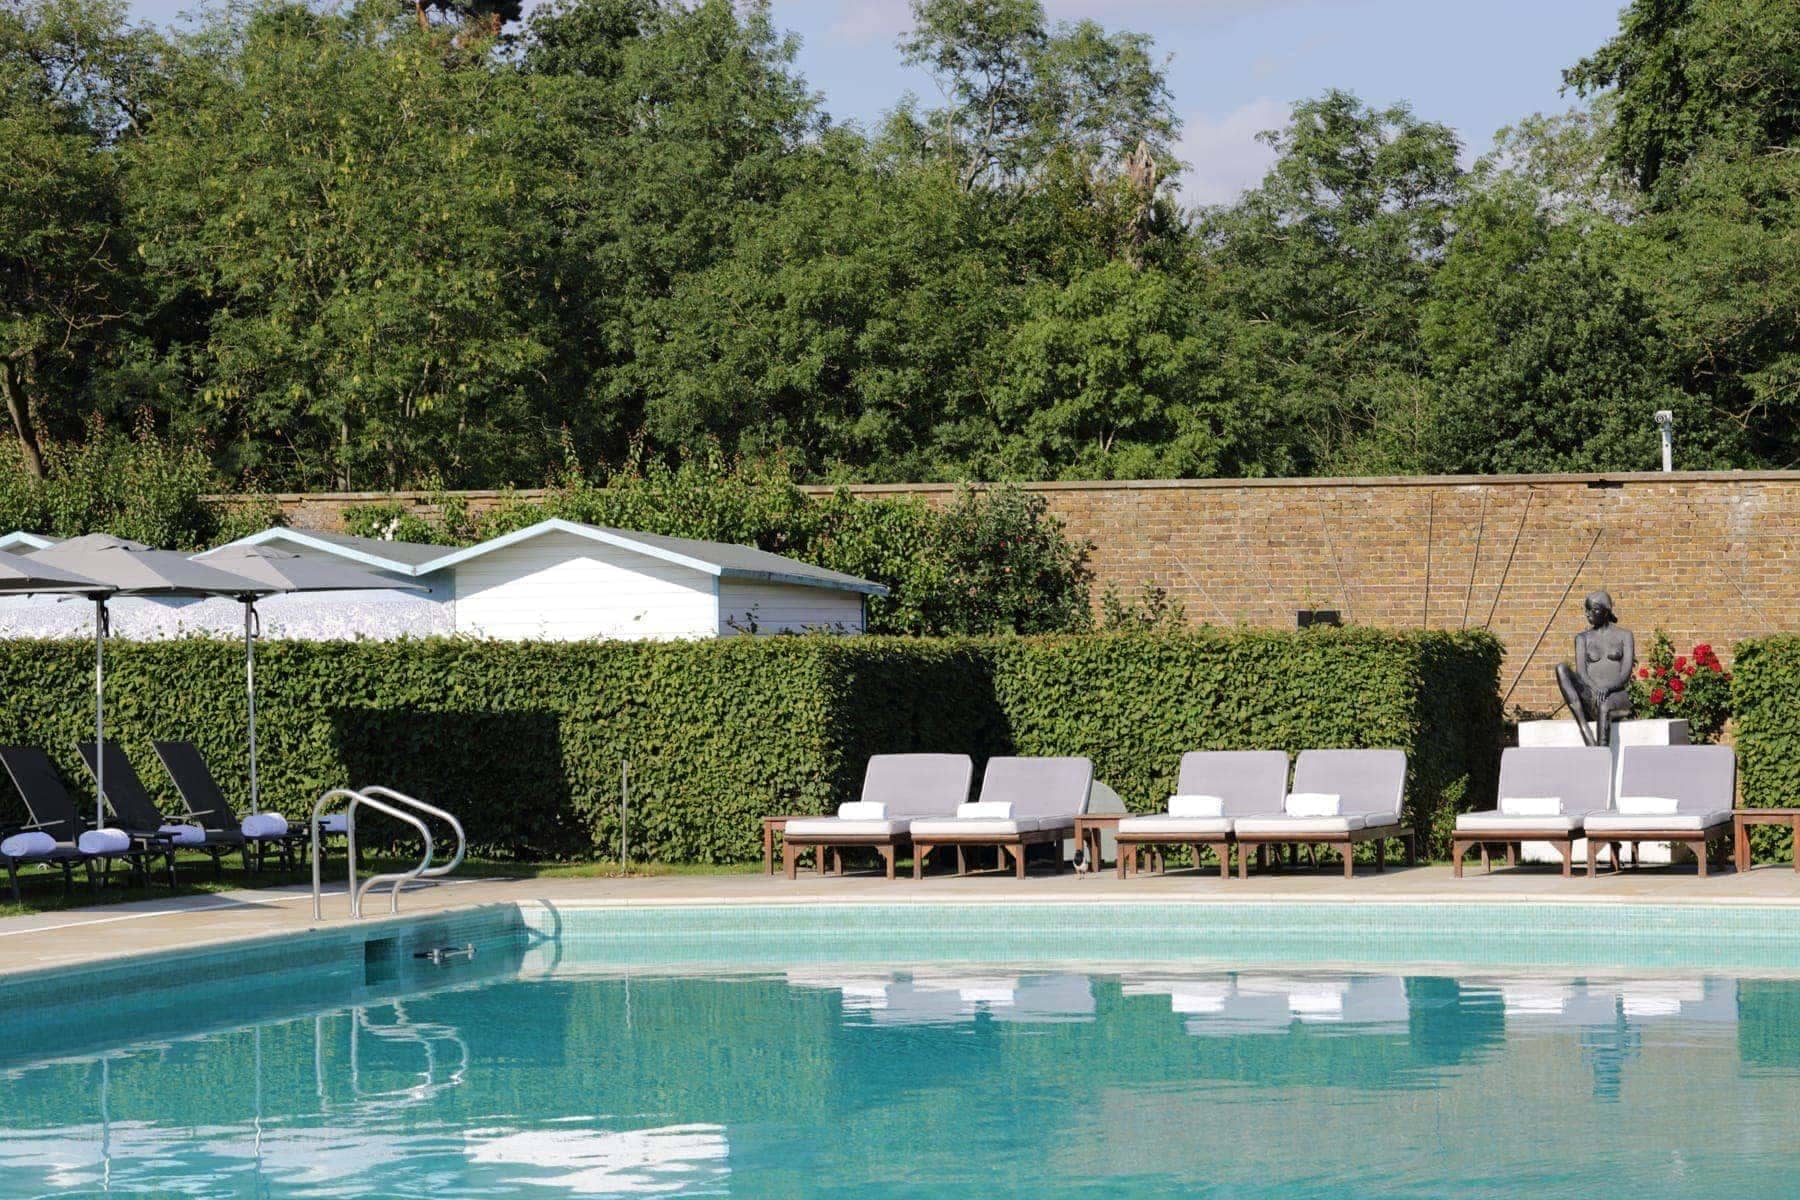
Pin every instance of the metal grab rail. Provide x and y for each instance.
(398, 878)
(430, 810)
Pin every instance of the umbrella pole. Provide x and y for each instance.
(99, 712)
(250, 693)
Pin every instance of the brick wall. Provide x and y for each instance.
(1709, 557)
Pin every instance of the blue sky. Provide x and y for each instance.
(1476, 65)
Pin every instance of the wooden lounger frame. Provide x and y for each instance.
(1128, 844)
(828, 844)
(1513, 840)
(1344, 843)
(1697, 840)
(1013, 844)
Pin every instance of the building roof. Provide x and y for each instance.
(719, 559)
(402, 558)
(21, 541)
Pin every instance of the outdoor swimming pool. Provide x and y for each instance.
(550, 1067)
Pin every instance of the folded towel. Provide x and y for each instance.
(1000, 810)
(1312, 804)
(27, 845)
(1648, 806)
(262, 825)
(862, 810)
(184, 835)
(334, 822)
(104, 841)
(1196, 806)
(1531, 806)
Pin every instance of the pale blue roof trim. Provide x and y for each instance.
(718, 559)
(400, 558)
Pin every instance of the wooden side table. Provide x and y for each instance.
(773, 826)
(1744, 818)
(1088, 827)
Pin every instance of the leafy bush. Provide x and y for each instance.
(525, 740)
(993, 561)
(1693, 687)
(1765, 684)
(140, 487)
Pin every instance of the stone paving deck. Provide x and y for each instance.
(90, 935)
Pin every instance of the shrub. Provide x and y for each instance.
(140, 487)
(524, 740)
(1693, 687)
(1765, 685)
(993, 561)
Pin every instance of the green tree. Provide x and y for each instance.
(70, 74)
(1021, 92)
(1324, 266)
(343, 221)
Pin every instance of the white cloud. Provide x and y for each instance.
(1222, 153)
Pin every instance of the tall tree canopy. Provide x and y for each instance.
(443, 242)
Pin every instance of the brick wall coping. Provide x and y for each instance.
(1604, 479)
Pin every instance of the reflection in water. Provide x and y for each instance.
(1012, 1081)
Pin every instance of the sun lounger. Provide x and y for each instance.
(1368, 785)
(61, 826)
(1546, 794)
(897, 789)
(53, 811)
(138, 815)
(1024, 802)
(1247, 783)
(1669, 794)
(206, 803)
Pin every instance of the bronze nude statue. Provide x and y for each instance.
(1598, 686)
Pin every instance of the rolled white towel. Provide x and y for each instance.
(31, 844)
(1312, 804)
(334, 823)
(104, 841)
(992, 810)
(1531, 806)
(1648, 806)
(1196, 806)
(862, 810)
(263, 825)
(185, 835)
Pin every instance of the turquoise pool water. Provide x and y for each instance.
(551, 1069)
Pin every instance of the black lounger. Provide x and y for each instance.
(137, 812)
(206, 803)
(53, 811)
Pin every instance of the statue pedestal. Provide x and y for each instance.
(1626, 734)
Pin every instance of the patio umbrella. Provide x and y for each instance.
(283, 571)
(130, 569)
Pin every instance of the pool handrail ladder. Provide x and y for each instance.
(399, 810)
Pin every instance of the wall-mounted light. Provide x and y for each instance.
(1665, 421)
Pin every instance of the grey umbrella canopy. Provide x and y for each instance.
(130, 568)
(284, 571)
(20, 575)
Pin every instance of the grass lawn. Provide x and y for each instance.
(43, 889)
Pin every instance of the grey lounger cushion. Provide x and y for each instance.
(910, 785)
(1249, 782)
(1504, 823)
(1301, 826)
(1369, 785)
(1175, 827)
(1580, 775)
(1045, 794)
(1702, 780)
(1679, 822)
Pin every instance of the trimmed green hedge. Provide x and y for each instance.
(1765, 700)
(524, 740)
